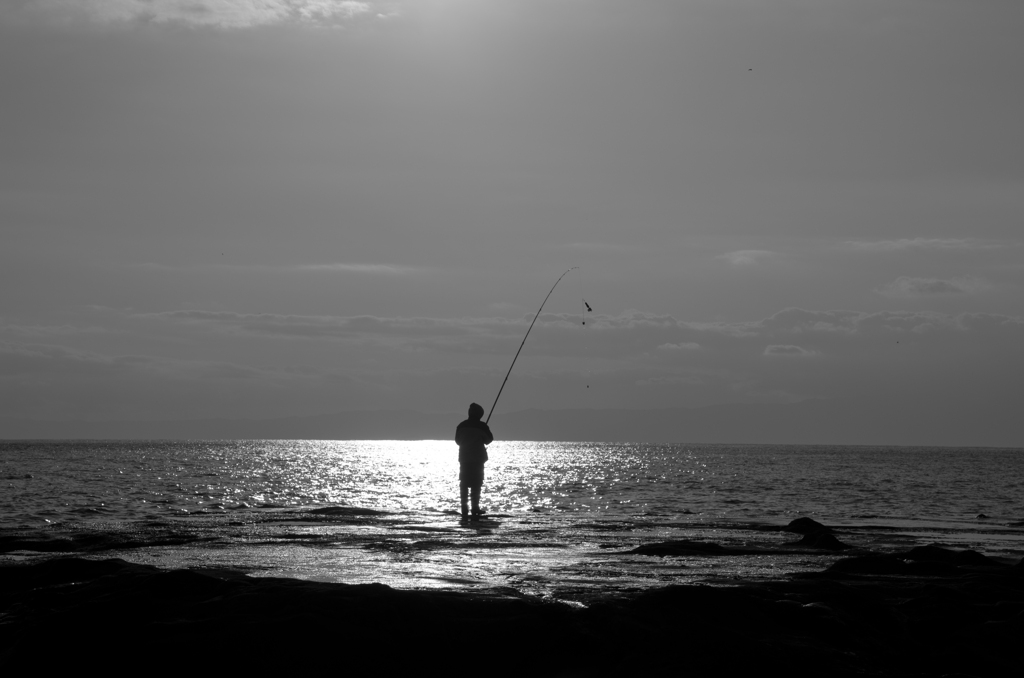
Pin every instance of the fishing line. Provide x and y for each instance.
(583, 302)
(584, 307)
(488, 419)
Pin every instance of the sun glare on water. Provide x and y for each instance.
(392, 474)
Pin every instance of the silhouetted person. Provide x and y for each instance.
(472, 435)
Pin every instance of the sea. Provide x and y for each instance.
(562, 518)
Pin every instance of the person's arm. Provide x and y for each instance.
(488, 436)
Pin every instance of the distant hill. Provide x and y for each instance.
(810, 422)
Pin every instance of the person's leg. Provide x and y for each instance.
(476, 500)
(464, 483)
(464, 496)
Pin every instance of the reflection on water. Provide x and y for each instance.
(564, 511)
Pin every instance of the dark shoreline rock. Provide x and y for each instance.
(806, 526)
(874, 616)
(937, 554)
(922, 561)
(822, 540)
(88, 542)
(816, 537)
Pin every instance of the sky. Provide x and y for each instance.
(270, 208)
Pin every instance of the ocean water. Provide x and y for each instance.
(561, 516)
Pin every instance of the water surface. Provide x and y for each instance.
(563, 514)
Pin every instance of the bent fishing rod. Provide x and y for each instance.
(488, 419)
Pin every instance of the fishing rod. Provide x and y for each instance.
(488, 419)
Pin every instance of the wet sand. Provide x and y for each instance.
(927, 611)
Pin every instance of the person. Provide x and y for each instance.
(472, 435)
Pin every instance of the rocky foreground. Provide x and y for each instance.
(930, 611)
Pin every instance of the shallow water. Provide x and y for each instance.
(562, 513)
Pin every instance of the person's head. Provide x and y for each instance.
(476, 412)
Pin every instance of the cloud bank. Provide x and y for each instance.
(220, 363)
(229, 14)
(628, 334)
(746, 257)
(908, 287)
(381, 269)
(684, 346)
(905, 244)
(788, 350)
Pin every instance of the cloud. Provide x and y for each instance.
(375, 269)
(989, 322)
(646, 329)
(745, 257)
(379, 269)
(49, 330)
(443, 335)
(788, 350)
(21, 359)
(908, 287)
(560, 337)
(210, 363)
(43, 359)
(215, 13)
(852, 326)
(905, 244)
(683, 346)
